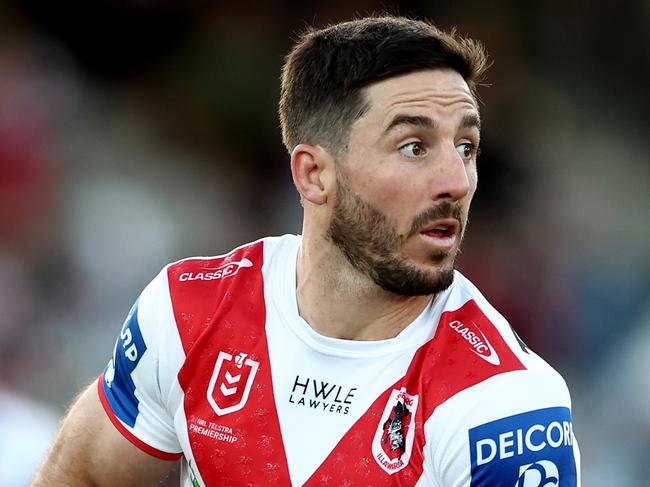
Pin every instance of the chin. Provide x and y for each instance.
(414, 280)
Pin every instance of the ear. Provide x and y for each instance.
(312, 169)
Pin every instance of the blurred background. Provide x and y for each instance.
(134, 133)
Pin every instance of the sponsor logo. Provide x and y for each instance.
(126, 346)
(231, 382)
(533, 449)
(214, 273)
(478, 342)
(215, 431)
(393, 440)
(118, 384)
(321, 395)
(540, 474)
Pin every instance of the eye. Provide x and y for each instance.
(413, 150)
(466, 150)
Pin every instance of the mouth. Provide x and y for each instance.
(442, 233)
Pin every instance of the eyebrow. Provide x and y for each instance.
(469, 120)
(412, 120)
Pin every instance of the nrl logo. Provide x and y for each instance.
(231, 382)
(393, 441)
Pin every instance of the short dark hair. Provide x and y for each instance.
(325, 72)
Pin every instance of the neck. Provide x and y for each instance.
(340, 302)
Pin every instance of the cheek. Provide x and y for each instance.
(386, 191)
(397, 197)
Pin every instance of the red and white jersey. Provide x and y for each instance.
(214, 364)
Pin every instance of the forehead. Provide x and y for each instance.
(441, 90)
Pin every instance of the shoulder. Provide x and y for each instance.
(466, 292)
(511, 419)
(215, 268)
(210, 272)
(204, 288)
(492, 367)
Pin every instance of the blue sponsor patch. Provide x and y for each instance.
(533, 449)
(118, 384)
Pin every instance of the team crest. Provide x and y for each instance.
(395, 433)
(231, 382)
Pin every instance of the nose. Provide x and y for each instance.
(452, 180)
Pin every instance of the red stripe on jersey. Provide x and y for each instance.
(466, 349)
(163, 455)
(232, 422)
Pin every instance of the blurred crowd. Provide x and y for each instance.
(133, 134)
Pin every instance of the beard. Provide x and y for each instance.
(372, 245)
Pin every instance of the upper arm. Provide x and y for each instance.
(90, 451)
(504, 430)
(121, 430)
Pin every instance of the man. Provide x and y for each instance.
(355, 354)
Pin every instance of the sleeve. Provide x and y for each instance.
(513, 429)
(129, 388)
